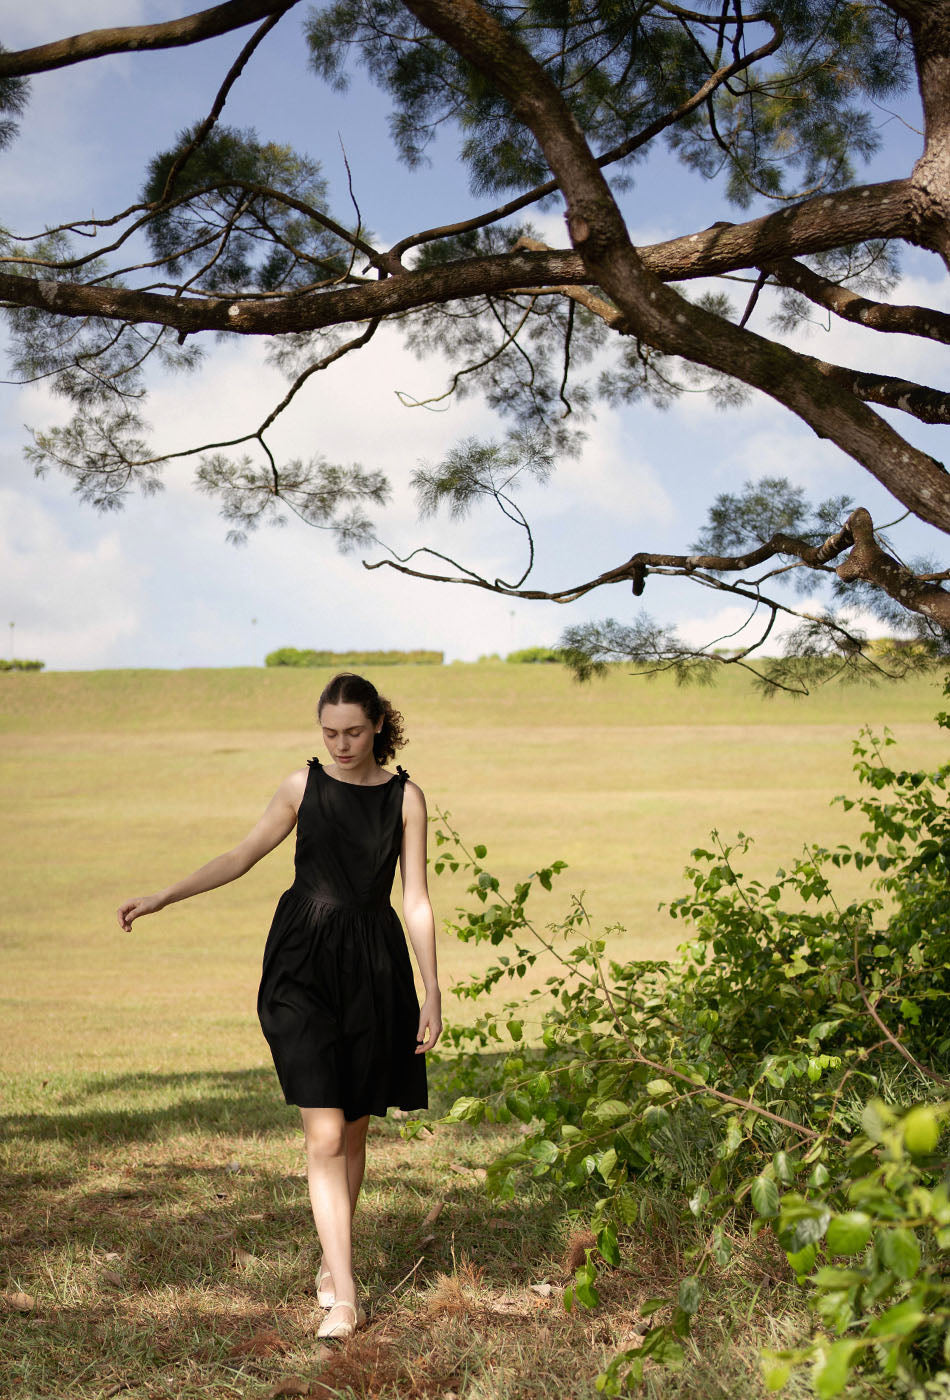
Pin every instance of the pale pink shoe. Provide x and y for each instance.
(343, 1328)
(325, 1296)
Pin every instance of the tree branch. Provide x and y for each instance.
(876, 315)
(928, 405)
(659, 316)
(868, 561)
(169, 34)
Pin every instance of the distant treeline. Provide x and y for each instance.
(293, 656)
(21, 665)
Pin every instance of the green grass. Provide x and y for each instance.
(143, 1138)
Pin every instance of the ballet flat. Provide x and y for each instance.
(342, 1329)
(325, 1296)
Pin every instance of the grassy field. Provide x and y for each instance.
(117, 783)
(155, 1205)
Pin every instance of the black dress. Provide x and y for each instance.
(336, 1000)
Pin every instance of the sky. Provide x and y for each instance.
(158, 585)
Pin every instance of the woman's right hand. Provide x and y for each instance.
(132, 908)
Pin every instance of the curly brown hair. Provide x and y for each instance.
(346, 688)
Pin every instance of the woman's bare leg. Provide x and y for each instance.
(325, 1137)
(356, 1157)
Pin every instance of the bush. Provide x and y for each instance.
(788, 1073)
(291, 656)
(532, 656)
(21, 665)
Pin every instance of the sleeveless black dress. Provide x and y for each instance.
(336, 1001)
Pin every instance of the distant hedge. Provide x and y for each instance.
(532, 656)
(21, 665)
(293, 656)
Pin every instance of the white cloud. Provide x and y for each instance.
(72, 605)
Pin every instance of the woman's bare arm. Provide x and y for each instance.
(417, 912)
(277, 821)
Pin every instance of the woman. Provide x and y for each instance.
(336, 1000)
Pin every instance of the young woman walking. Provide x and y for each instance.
(336, 1000)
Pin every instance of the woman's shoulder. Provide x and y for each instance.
(294, 784)
(413, 796)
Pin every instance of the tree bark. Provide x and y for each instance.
(930, 29)
(168, 34)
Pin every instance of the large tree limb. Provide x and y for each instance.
(850, 306)
(658, 315)
(169, 34)
(813, 226)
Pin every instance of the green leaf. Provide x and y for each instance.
(876, 1119)
(607, 1244)
(898, 1251)
(607, 1163)
(515, 1029)
(921, 1130)
(689, 1291)
(776, 1374)
(656, 1087)
(765, 1197)
(520, 1105)
(848, 1233)
(544, 1150)
(609, 1110)
(831, 1373)
(900, 1320)
(651, 1305)
(699, 1200)
(801, 1260)
(481, 852)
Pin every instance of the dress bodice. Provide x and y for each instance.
(349, 836)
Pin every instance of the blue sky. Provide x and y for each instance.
(158, 585)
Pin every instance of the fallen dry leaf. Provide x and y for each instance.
(290, 1385)
(502, 1224)
(112, 1276)
(544, 1290)
(433, 1214)
(242, 1257)
(480, 1172)
(22, 1302)
(111, 1254)
(262, 1343)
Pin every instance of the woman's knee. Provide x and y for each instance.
(324, 1132)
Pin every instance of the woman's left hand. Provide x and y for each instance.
(430, 1020)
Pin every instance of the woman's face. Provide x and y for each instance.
(348, 734)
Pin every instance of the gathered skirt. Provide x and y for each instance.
(338, 1007)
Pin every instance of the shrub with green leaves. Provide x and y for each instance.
(790, 1071)
(297, 656)
(535, 656)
